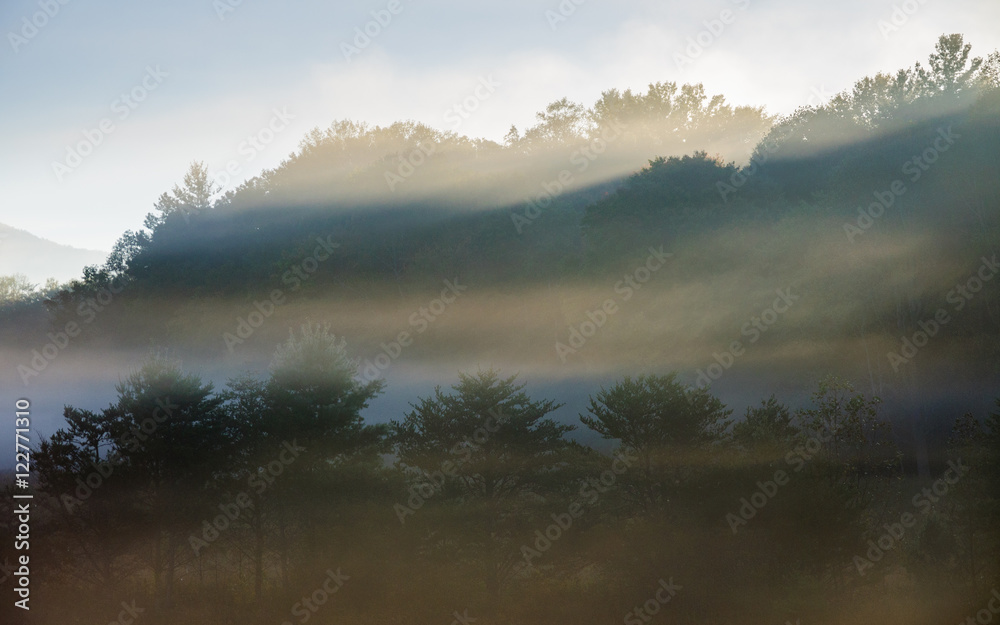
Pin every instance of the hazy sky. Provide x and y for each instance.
(211, 74)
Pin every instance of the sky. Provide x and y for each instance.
(105, 104)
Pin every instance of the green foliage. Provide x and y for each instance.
(15, 288)
(513, 472)
(657, 411)
(858, 436)
(668, 426)
(512, 477)
(770, 424)
(951, 70)
(500, 439)
(966, 524)
(193, 197)
(657, 206)
(314, 395)
(492, 448)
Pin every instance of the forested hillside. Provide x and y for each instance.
(667, 240)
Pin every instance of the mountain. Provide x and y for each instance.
(40, 259)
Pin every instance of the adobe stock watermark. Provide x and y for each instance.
(705, 38)
(901, 14)
(463, 618)
(253, 145)
(914, 169)
(420, 320)
(596, 318)
(924, 502)
(33, 24)
(122, 107)
(408, 166)
(370, 30)
(580, 160)
(590, 493)
(753, 329)
(127, 614)
(309, 605)
(640, 615)
(225, 7)
(796, 459)
(294, 277)
(985, 616)
(463, 110)
(958, 297)
(232, 511)
(563, 12)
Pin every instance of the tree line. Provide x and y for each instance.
(227, 506)
(659, 184)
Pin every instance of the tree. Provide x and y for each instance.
(509, 459)
(860, 449)
(656, 203)
(989, 73)
(669, 119)
(170, 434)
(769, 425)
(313, 400)
(77, 468)
(492, 448)
(164, 441)
(126, 250)
(15, 288)
(877, 100)
(512, 138)
(664, 422)
(313, 394)
(193, 197)
(246, 405)
(657, 411)
(850, 467)
(561, 123)
(972, 510)
(950, 69)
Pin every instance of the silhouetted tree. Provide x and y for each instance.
(768, 425)
(314, 400)
(166, 441)
(490, 446)
(193, 197)
(665, 423)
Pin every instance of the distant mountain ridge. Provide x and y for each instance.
(40, 259)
